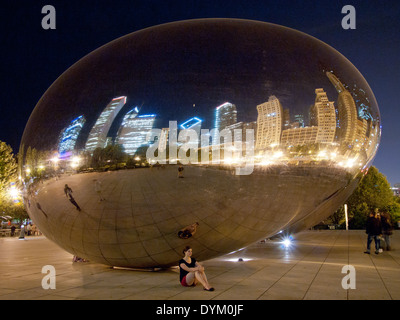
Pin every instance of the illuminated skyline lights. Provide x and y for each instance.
(70, 134)
(131, 114)
(193, 123)
(362, 102)
(98, 135)
(225, 115)
(272, 128)
(133, 131)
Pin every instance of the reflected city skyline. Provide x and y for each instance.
(343, 129)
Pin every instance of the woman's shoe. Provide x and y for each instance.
(211, 289)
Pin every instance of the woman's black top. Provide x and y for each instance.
(189, 265)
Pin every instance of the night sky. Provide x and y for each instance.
(33, 58)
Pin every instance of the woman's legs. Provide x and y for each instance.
(190, 278)
(198, 276)
(201, 277)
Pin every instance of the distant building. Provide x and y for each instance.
(372, 142)
(347, 113)
(324, 117)
(322, 121)
(225, 115)
(299, 136)
(269, 123)
(133, 131)
(98, 135)
(243, 126)
(362, 101)
(286, 119)
(299, 118)
(193, 124)
(69, 135)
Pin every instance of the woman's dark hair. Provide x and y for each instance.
(186, 249)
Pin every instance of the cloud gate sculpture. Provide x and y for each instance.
(213, 133)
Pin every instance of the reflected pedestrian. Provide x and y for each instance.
(68, 192)
(188, 231)
(97, 188)
(373, 230)
(180, 171)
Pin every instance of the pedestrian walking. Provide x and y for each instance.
(68, 192)
(373, 230)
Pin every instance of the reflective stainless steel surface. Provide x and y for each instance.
(211, 133)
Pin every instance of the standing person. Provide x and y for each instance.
(68, 193)
(13, 230)
(191, 271)
(97, 188)
(373, 230)
(387, 229)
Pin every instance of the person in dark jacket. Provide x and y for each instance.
(387, 229)
(373, 230)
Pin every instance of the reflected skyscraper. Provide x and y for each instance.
(269, 123)
(133, 131)
(299, 119)
(324, 117)
(70, 134)
(362, 101)
(225, 115)
(299, 136)
(98, 134)
(193, 123)
(347, 112)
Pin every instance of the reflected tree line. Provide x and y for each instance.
(36, 165)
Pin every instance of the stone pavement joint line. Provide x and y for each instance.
(310, 269)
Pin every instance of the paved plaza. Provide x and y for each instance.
(310, 269)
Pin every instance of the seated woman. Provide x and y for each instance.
(192, 272)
